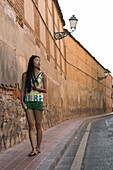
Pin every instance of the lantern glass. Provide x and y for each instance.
(73, 22)
(106, 73)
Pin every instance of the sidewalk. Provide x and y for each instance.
(55, 141)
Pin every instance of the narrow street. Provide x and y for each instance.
(92, 148)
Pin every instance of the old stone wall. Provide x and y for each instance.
(13, 125)
(18, 41)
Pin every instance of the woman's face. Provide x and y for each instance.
(36, 62)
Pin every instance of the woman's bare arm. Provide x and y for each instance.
(23, 90)
(44, 83)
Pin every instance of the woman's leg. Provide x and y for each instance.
(31, 123)
(38, 121)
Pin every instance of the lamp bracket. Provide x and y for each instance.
(101, 78)
(60, 35)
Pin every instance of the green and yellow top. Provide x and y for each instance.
(35, 95)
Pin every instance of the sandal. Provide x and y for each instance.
(38, 151)
(32, 154)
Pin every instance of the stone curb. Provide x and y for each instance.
(52, 160)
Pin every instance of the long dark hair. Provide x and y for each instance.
(30, 73)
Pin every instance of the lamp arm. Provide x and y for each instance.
(101, 78)
(60, 35)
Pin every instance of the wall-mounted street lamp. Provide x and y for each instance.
(73, 23)
(106, 74)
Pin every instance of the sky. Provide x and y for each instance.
(94, 27)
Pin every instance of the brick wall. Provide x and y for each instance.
(109, 94)
(86, 93)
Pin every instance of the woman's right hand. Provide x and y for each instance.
(32, 85)
(24, 106)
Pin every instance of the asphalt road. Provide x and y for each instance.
(92, 148)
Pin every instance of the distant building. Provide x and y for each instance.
(112, 94)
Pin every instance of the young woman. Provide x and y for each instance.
(33, 87)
